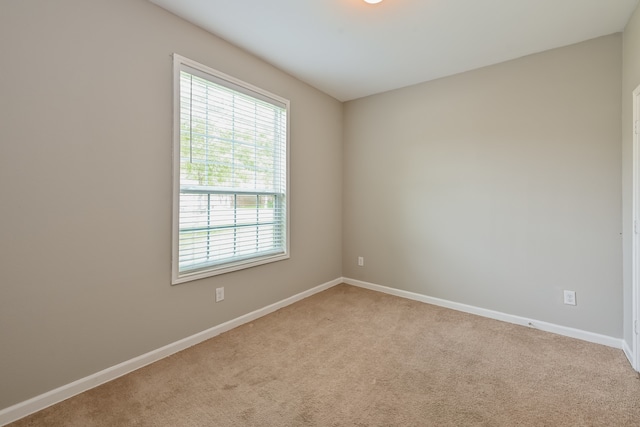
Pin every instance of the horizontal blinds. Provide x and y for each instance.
(232, 203)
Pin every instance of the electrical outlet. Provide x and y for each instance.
(219, 294)
(570, 297)
(361, 261)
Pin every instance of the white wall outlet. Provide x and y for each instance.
(361, 261)
(570, 297)
(219, 294)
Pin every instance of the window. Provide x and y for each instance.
(230, 168)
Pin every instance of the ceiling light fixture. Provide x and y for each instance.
(372, 1)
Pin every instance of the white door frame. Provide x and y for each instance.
(635, 233)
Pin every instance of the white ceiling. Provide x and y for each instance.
(350, 49)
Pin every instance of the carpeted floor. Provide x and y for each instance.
(353, 357)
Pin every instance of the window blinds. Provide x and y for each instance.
(232, 174)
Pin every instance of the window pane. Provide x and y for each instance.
(232, 173)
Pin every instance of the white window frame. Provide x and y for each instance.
(179, 64)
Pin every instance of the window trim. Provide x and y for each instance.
(179, 63)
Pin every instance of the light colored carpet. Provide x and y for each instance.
(353, 357)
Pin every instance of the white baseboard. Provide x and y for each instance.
(628, 353)
(28, 407)
(544, 326)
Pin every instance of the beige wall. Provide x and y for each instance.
(497, 188)
(630, 80)
(85, 187)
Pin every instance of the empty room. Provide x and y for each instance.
(319, 213)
